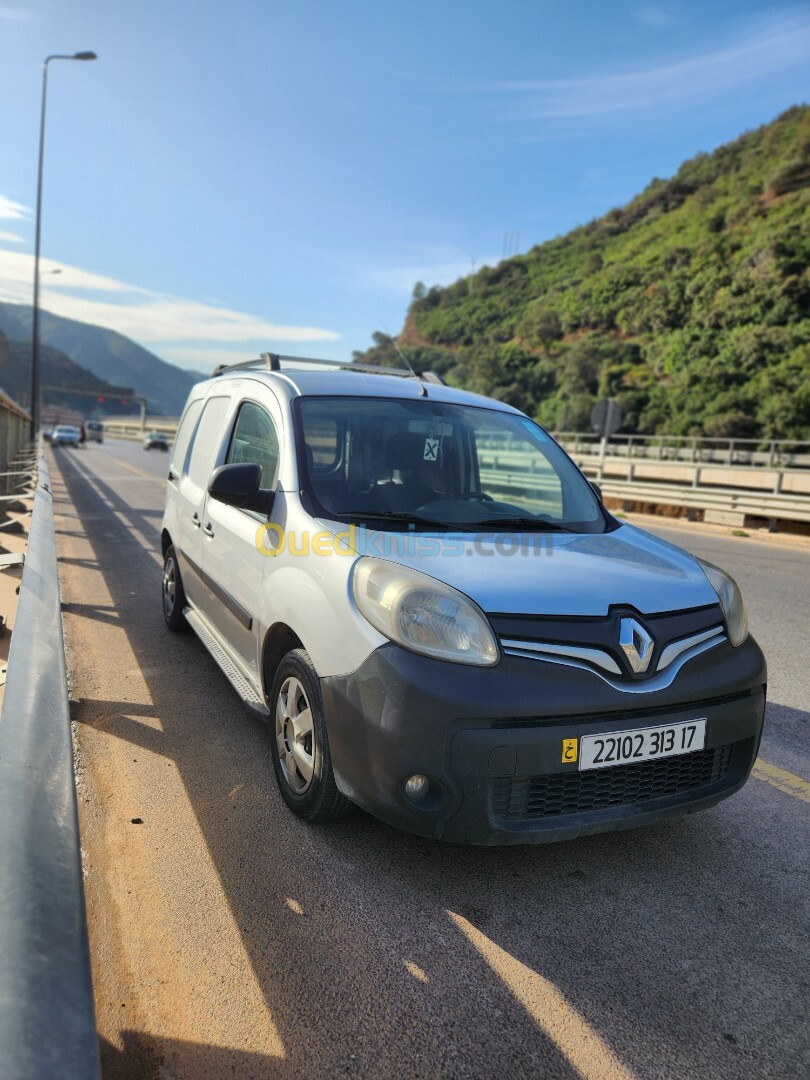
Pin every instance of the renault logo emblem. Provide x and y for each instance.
(636, 644)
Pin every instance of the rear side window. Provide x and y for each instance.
(255, 442)
(184, 433)
(207, 440)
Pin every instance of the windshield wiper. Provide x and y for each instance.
(400, 515)
(532, 523)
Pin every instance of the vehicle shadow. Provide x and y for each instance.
(380, 954)
(149, 1055)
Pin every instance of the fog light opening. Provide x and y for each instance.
(417, 786)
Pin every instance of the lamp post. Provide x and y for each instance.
(38, 227)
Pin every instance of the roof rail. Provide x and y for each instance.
(269, 361)
(272, 362)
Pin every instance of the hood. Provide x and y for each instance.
(551, 573)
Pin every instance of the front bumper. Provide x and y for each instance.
(490, 740)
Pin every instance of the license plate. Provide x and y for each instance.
(641, 744)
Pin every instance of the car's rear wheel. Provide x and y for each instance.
(300, 743)
(174, 596)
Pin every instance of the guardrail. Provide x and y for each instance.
(721, 505)
(15, 425)
(724, 493)
(128, 429)
(758, 453)
(47, 1016)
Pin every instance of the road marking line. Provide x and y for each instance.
(132, 468)
(570, 1032)
(780, 778)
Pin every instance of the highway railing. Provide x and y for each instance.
(15, 424)
(727, 506)
(47, 1016)
(723, 493)
(132, 429)
(762, 453)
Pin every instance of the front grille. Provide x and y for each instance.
(529, 797)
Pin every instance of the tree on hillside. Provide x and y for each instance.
(542, 324)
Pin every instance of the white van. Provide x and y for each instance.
(439, 618)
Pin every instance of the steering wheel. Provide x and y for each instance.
(482, 495)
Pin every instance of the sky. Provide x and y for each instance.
(229, 178)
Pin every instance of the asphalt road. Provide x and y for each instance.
(231, 939)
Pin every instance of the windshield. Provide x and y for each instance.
(399, 464)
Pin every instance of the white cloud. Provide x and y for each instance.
(12, 210)
(764, 50)
(145, 316)
(10, 238)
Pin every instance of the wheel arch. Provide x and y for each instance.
(278, 641)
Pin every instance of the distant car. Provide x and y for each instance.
(156, 440)
(94, 431)
(65, 435)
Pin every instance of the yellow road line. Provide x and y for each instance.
(138, 472)
(570, 1032)
(780, 778)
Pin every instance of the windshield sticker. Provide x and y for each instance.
(431, 450)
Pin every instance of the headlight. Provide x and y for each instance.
(423, 614)
(731, 601)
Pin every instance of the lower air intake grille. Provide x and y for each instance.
(527, 797)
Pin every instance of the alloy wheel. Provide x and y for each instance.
(169, 587)
(295, 735)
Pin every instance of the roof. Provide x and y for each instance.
(292, 382)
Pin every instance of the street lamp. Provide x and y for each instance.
(35, 314)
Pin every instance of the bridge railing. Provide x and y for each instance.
(764, 453)
(47, 1017)
(15, 426)
(128, 428)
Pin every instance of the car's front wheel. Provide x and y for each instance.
(300, 744)
(174, 596)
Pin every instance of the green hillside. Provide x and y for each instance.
(690, 305)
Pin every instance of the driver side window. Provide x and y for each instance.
(255, 442)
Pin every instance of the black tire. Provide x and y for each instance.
(173, 593)
(314, 797)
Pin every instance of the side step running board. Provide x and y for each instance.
(230, 669)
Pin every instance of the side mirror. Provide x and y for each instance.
(240, 485)
(596, 490)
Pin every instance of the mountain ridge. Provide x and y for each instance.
(68, 384)
(107, 354)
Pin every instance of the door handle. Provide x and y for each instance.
(195, 520)
(207, 529)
